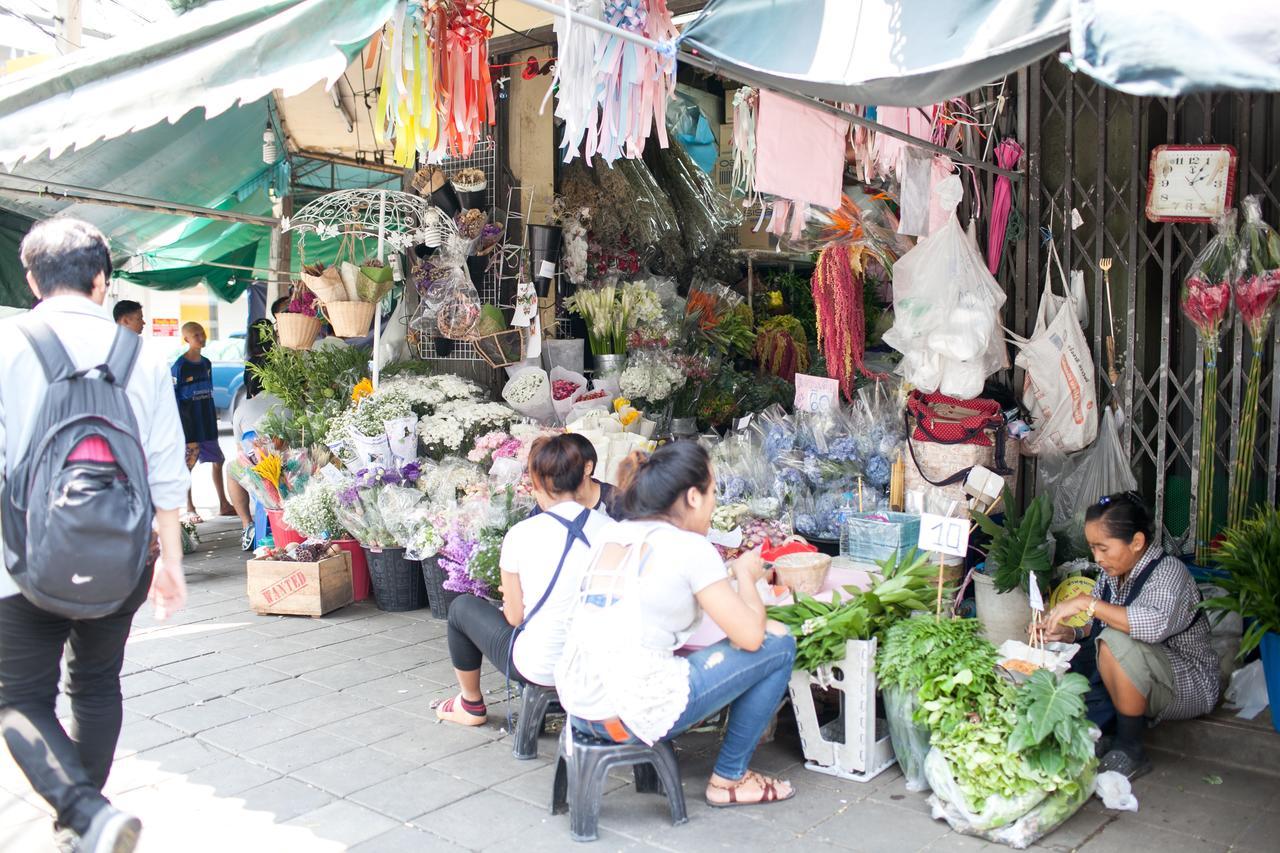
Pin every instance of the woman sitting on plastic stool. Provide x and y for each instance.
(542, 561)
(1153, 657)
(650, 578)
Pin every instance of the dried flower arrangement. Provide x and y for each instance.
(782, 347)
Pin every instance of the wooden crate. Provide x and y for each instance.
(300, 589)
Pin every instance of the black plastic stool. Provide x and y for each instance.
(583, 764)
(535, 702)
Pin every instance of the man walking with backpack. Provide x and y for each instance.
(91, 450)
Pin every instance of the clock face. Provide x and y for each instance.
(1190, 183)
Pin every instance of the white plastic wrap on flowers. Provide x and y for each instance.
(946, 309)
(561, 374)
(529, 393)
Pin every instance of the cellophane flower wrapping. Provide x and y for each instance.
(271, 474)
(375, 521)
(529, 393)
(1206, 292)
(1258, 271)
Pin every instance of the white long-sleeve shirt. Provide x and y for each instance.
(86, 331)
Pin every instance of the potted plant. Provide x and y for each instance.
(1018, 548)
(1249, 556)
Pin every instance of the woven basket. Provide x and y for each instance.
(938, 461)
(297, 331)
(397, 582)
(501, 348)
(803, 573)
(437, 596)
(350, 319)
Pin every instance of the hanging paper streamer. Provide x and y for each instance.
(612, 102)
(436, 95)
(745, 102)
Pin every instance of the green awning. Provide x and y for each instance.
(13, 282)
(222, 277)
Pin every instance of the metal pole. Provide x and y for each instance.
(70, 35)
(377, 307)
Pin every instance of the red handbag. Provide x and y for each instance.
(947, 420)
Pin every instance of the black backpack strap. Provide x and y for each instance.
(123, 356)
(48, 349)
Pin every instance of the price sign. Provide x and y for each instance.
(816, 393)
(944, 534)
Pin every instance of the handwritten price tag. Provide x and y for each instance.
(816, 393)
(944, 534)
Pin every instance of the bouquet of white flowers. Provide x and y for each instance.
(314, 512)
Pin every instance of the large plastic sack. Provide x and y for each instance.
(946, 309)
(910, 739)
(1058, 390)
(1077, 482)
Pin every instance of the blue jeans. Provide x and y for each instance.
(752, 684)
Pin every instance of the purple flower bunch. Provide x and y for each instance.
(371, 478)
(455, 555)
(303, 302)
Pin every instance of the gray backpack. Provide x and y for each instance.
(77, 506)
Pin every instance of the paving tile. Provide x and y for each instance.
(145, 681)
(471, 822)
(352, 771)
(31, 835)
(157, 702)
(439, 672)
(811, 807)
(232, 681)
(432, 742)
(256, 648)
(143, 734)
(346, 674)
(287, 626)
(181, 756)
(394, 690)
(325, 709)
(1232, 784)
(270, 697)
(552, 836)
(193, 668)
(418, 632)
(1081, 826)
(413, 794)
(207, 715)
(300, 750)
(1262, 833)
(285, 799)
(306, 660)
(1168, 808)
(873, 827)
(374, 726)
(488, 764)
(231, 776)
(344, 822)
(369, 647)
(244, 735)
(408, 657)
(401, 840)
(1127, 836)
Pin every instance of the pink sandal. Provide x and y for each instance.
(453, 710)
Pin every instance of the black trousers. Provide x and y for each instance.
(478, 630)
(68, 770)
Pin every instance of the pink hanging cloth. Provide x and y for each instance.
(799, 156)
(1008, 153)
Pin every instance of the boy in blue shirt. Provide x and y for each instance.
(193, 383)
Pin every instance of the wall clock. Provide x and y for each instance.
(1190, 183)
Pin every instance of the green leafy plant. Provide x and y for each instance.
(1249, 554)
(782, 347)
(1018, 547)
(821, 628)
(1052, 733)
(917, 650)
(312, 385)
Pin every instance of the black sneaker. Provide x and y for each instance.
(111, 831)
(246, 539)
(1127, 765)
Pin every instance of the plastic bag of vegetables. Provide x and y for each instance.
(910, 739)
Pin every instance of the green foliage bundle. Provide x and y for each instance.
(1018, 547)
(821, 628)
(782, 347)
(313, 385)
(1250, 555)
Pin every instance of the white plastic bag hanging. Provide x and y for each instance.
(1059, 386)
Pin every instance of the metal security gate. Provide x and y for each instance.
(1088, 151)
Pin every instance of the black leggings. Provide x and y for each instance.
(478, 630)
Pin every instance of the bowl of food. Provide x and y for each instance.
(802, 572)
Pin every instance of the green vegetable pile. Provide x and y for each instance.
(998, 740)
(821, 628)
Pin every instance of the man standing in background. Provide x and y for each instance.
(128, 313)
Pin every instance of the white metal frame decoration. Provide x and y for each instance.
(401, 219)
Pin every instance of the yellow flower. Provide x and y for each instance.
(363, 389)
(620, 403)
(775, 298)
(628, 416)
(268, 468)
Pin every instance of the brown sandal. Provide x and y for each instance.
(768, 791)
(451, 711)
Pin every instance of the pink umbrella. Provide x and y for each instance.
(1008, 152)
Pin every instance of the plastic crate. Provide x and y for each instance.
(875, 536)
(856, 744)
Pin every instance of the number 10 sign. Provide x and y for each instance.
(944, 534)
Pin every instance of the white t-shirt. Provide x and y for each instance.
(531, 549)
(250, 413)
(639, 678)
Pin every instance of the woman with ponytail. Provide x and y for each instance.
(649, 580)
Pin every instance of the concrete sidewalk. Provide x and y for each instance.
(255, 733)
